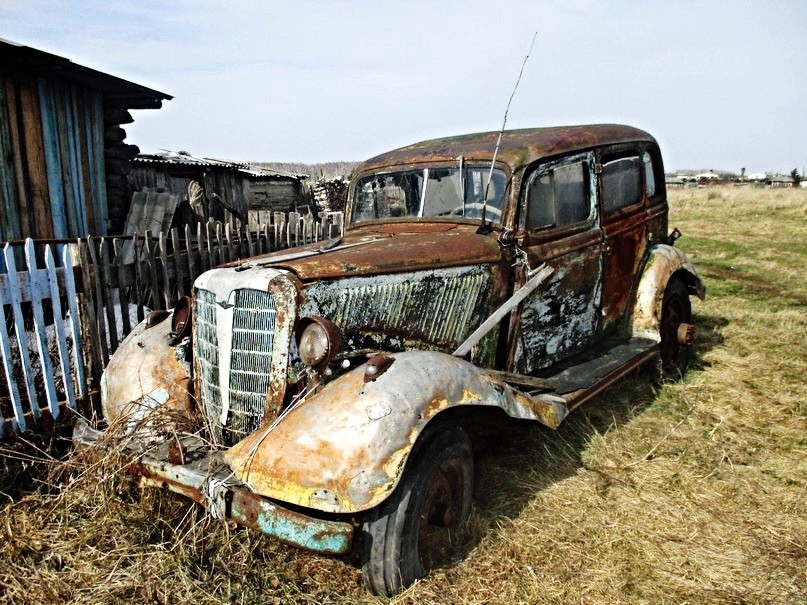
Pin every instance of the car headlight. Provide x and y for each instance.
(319, 340)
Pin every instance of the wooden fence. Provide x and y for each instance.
(68, 310)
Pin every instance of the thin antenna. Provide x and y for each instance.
(499, 139)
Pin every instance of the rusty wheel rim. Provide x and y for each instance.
(440, 514)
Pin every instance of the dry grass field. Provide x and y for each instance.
(691, 492)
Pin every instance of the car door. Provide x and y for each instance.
(558, 226)
(624, 225)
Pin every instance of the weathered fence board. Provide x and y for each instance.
(98, 285)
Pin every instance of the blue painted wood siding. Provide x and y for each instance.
(71, 149)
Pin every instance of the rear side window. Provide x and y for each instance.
(649, 175)
(558, 196)
(622, 183)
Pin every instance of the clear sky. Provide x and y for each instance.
(721, 84)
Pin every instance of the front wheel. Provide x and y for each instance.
(410, 532)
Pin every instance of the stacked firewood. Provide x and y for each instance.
(330, 195)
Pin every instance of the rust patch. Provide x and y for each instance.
(411, 247)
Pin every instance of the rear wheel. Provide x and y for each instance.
(410, 533)
(677, 331)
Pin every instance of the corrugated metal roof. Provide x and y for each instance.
(184, 158)
(166, 156)
(127, 94)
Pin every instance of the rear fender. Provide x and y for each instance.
(343, 449)
(664, 262)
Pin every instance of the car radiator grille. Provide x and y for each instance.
(249, 341)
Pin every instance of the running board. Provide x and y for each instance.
(579, 381)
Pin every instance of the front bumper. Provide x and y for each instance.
(204, 478)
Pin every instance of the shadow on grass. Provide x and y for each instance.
(518, 459)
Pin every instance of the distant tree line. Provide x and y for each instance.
(324, 170)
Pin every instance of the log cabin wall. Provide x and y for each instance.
(277, 195)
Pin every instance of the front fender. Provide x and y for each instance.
(664, 262)
(144, 384)
(343, 449)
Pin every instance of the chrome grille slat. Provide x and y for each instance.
(251, 347)
(206, 353)
(253, 339)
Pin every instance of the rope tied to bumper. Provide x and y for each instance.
(212, 490)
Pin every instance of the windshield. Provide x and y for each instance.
(445, 192)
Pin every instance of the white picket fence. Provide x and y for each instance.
(36, 285)
(67, 310)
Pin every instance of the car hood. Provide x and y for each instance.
(387, 249)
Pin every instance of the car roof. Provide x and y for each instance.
(518, 147)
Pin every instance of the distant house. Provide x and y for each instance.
(707, 177)
(217, 185)
(675, 181)
(63, 160)
(780, 180)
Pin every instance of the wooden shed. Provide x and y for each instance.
(227, 185)
(63, 160)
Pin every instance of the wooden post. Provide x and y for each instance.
(76, 321)
(250, 245)
(123, 297)
(167, 295)
(192, 274)
(96, 351)
(139, 277)
(18, 423)
(151, 265)
(179, 267)
(108, 298)
(219, 245)
(211, 253)
(228, 237)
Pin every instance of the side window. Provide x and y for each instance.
(649, 175)
(558, 196)
(622, 183)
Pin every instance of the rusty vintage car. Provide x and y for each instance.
(336, 385)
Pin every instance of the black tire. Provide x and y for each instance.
(409, 533)
(676, 309)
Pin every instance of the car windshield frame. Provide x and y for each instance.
(453, 192)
